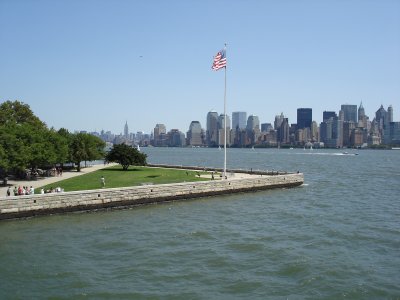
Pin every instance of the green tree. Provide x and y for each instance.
(60, 145)
(126, 156)
(85, 147)
(26, 142)
(16, 153)
(16, 112)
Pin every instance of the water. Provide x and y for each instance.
(336, 237)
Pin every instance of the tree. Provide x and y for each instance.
(126, 156)
(16, 112)
(23, 138)
(85, 147)
(26, 142)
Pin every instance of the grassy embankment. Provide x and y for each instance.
(116, 177)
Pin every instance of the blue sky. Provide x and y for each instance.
(92, 65)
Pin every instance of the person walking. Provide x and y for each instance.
(103, 181)
(8, 192)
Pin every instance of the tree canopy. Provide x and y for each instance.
(27, 143)
(126, 156)
(85, 147)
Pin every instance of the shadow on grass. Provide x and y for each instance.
(120, 169)
(153, 176)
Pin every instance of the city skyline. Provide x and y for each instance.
(203, 121)
(214, 123)
(88, 65)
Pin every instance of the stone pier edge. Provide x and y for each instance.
(46, 204)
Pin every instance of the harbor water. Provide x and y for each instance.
(335, 237)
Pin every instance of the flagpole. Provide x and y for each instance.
(225, 122)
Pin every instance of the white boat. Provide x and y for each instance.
(138, 148)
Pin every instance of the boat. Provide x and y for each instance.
(347, 153)
(138, 148)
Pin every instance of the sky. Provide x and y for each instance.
(94, 65)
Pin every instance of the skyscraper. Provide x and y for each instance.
(239, 119)
(283, 131)
(212, 128)
(221, 129)
(278, 121)
(350, 112)
(194, 137)
(304, 118)
(160, 132)
(326, 115)
(381, 117)
(126, 131)
(253, 123)
(361, 112)
(265, 127)
(390, 114)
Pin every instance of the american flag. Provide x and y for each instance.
(219, 60)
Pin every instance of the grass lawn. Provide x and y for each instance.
(116, 177)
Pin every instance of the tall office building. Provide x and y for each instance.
(159, 135)
(239, 119)
(362, 118)
(212, 128)
(253, 123)
(278, 121)
(350, 112)
(361, 112)
(390, 114)
(194, 135)
(266, 127)
(392, 134)
(221, 130)
(221, 122)
(326, 115)
(126, 131)
(304, 118)
(381, 117)
(283, 132)
(159, 129)
(314, 132)
(176, 138)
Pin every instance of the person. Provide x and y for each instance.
(32, 190)
(42, 191)
(103, 181)
(8, 192)
(212, 175)
(15, 191)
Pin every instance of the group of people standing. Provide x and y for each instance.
(25, 190)
(21, 190)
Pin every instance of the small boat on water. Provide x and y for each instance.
(347, 153)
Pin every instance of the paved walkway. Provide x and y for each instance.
(47, 180)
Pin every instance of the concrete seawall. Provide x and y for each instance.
(45, 204)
